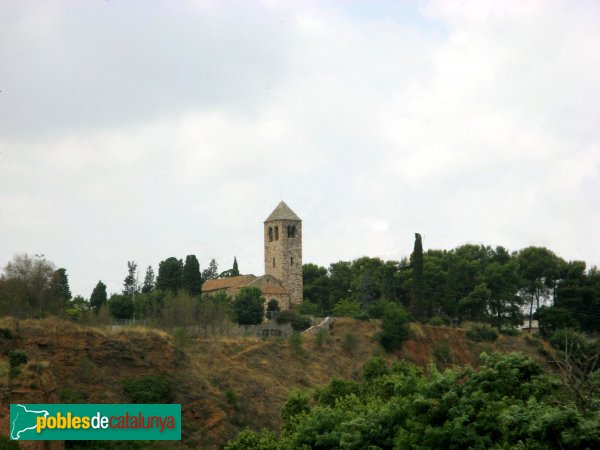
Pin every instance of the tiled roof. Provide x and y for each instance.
(226, 283)
(282, 212)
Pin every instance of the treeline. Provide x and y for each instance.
(468, 283)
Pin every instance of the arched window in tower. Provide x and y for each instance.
(289, 230)
(270, 234)
(276, 233)
(293, 230)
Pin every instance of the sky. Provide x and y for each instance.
(141, 130)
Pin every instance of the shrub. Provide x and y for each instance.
(394, 328)
(346, 308)
(272, 309)
(349, 343)
(481, 333)
(6, 333)
(374, 368)
(148, 389)
(321, 337)
(438, 321)
(363, 316)
(231, 397)
(442, 352)
(70, 395)
(378, 309)
(308, 308)
(298, 321)
(17, 357)
(510, 332)
(295, 342)
(297, 403)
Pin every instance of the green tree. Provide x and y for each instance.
(394, 328)
(235, 271)
(475, 305)
(148, 285)
(539, 270)
(272, 309)
(340, 279)
(316, 286)
(130, 284)
(60, 285)
(346, 308)
(169, 275)
(191, 278)
(98, 297)
(248, 306)
(211, 272)
(417, 306)
(121, 306)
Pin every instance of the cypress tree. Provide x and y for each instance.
(191, 279)
(235, 271)
(417, 300)
(98, 297)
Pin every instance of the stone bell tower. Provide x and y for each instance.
(283, 250)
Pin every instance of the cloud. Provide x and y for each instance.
(143, 130)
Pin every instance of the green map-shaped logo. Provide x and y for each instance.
(22, 420)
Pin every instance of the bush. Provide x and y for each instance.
(308, 308)
(17, 357)
(298, 321)
(6, 333)
(70, 395)
(148, 389)
(374, 368)
(439, 321)
(442, 352)
(510, 332)
(297, 403)
(295, 342)
(349, 343)
(394, 328)
(363, 316)
(346, 308)
(231, 397)
(481, 333)
(321, 337)
(248, 306)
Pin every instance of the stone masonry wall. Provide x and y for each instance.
(286, 252)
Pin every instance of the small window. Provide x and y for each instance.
(273, 262)
(289, 230)
(291, 261)
(276, 233)
(270, 234)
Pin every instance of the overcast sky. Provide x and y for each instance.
(140, 130)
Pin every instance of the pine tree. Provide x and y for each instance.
(130, 283)
(148, 285)
(212, 272)
(191, 280)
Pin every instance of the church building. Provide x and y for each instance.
(282, 280)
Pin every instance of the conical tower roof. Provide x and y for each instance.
(282, 212)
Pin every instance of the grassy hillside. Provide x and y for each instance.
(223, 384)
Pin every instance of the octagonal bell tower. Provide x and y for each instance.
(283, 249)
